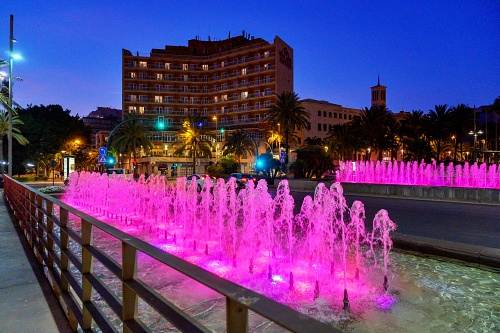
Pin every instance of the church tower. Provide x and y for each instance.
(378, 94)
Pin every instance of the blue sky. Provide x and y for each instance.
(426, 53)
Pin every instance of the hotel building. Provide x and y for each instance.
(230, 82)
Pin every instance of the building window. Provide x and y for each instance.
(193, 78)
(335, 115)
(224, 109)
(257, 80)
(223, 121)
(193, 67)
(257, 68)
(204, 89)
(223, 98)
(244, 71)
(168, 110)
(132, 98)
(235, 97)
(184, 100)
(267, 67)
(223, 75)
(235, 73)
(143, 76)
(194, 100)
(267, 79)
(244, 94)
(319, 113)
(143, 64)
(168, 77)
(168, 65)
(257, 117)
(235, 84)
(224, 86)
(324, 114)
(266, 54)
(244, 107)
(235, 61)
(158, 110)
(204, 67)
(257, 105)
(235, 108)
(216, 99)
(324, 127)
(169, 99)
(204, 111)
(159, 76)
(158, 87)
(194, 89)
(267, 92)
(319, 127)
(235, 119)
(329, 114)
(204, 100)
(244, 119)
(143, 98)
(185, 67)
(345, 116)
(350, 117)
(132, 109)
(267, 104)
(244, 83)
(132, 86)
(132, 75)
(141, 109)
(158, 99)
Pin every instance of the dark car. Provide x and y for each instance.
(242, 178)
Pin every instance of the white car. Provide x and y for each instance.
(200, 179)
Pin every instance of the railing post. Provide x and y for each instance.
(236, 317)
(40, 247)
(50, 230)
(129, 272)
(87, 268)
(64, 238)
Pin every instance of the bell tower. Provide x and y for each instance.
(378, 94)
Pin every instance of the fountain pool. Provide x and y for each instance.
(267, 257)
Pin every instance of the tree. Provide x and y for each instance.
(313, 141)
(268, 165)
(460, 124)
(16, 132)
(130, 138)
(312, 161)
(373, 127)
(195, 138)
(225, 165)
(344, 141)
(291, 116)
(439, 127)
(240, 144)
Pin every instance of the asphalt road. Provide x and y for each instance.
(468, 223)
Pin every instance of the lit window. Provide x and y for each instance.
(185, 67)
(244, 94)
(159, 76)
(132, 109)
(168, 65)
(132, 75)
(223, 98)
(143, 64)
(244, 71)
(216, 99)
(266, 54)
(141, 109)
(158, 99)
(204, 67)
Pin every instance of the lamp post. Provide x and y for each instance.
(11, 62)
(474, 149)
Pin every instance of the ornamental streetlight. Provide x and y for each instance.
(474, 149)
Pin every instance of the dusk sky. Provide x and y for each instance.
(426, 52)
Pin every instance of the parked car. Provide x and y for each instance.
(200, 179)
(242, 178)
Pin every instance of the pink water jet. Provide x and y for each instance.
(248, 236)
(423, 174)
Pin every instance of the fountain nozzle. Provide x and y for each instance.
(346, 302)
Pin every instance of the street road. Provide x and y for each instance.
(469, 223)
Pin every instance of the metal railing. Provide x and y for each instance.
(46, 224)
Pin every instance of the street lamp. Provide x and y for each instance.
(11, 62)
(474, 150)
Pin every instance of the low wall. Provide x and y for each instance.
(482, 195)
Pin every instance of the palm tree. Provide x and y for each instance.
(413, 128)
(313, 141)
(373, 126)
(439, 129)
(291, 116)
(195, 138)
(4, 128)
(460, 124)
(240, 144)
(129, 138)
(344, 141)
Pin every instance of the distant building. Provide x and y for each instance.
(233, 82)
(102, 119)
(323, 116)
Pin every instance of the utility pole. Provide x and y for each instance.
(11, 62)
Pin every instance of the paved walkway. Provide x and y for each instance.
(27, 302)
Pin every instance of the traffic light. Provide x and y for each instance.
(161, 122)
(110, 160)
(222, 130)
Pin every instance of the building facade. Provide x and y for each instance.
(231, 82)
(102, 119)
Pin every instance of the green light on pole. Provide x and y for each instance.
(161, 122)
(222, 130)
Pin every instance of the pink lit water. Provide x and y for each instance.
(250, 237)
(414, 173)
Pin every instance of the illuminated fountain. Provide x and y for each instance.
(324, 250)
(414, 173)
(321, 261)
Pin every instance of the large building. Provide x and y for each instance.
(231, 82)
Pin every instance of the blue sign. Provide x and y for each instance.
(282, 156)
(101, 159)
(103, 150)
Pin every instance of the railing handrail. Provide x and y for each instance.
(239, 299)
